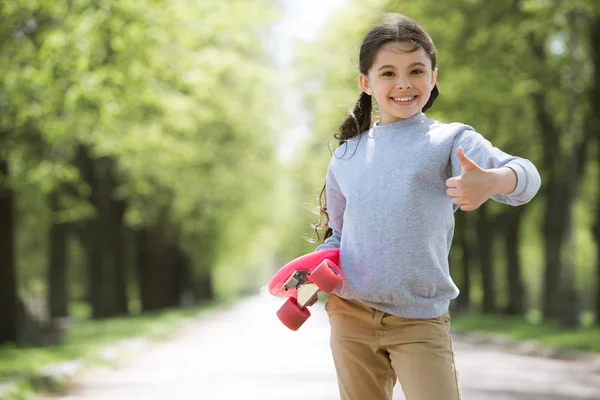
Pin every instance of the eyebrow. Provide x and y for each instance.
(410, 66)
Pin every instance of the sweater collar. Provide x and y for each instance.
(400, 124)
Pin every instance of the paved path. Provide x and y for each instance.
(244, 353)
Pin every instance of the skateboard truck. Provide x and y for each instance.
(307, 291)
(300, 281)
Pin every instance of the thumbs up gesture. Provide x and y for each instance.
(473, 187)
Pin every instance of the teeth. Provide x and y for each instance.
(404, 98)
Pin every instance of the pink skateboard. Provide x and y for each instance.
(300, 281)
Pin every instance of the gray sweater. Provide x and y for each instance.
(391, 217)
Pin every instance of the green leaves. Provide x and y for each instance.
(175, 92)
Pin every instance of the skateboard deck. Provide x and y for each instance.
(300, 280)
(306, 262)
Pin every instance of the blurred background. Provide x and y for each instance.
(160, 156)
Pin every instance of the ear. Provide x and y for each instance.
(434, 77)
(363, 81)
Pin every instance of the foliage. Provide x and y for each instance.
(174, 93)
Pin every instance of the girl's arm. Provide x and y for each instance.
(332, 242)
(505, 178)
(336, 204)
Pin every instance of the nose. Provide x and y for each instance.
(403, 83)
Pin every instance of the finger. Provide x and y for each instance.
(468, 207)
(457, 200)
(453, 192)
(453, 182)
(466, 163)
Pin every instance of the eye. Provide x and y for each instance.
(388, 73)
(417, 71)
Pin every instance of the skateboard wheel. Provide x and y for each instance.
(291, 315)
(327, 276)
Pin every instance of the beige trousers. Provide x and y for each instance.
(371, 348)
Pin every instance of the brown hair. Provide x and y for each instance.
(395, 28)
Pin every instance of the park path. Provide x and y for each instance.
(243, 352)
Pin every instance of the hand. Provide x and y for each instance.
(312, 302)
(473, 187)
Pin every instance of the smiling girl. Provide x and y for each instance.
(391, 192)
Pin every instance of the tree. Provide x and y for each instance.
(8, 284)
(130, 129)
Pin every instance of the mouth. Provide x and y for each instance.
(404, 100)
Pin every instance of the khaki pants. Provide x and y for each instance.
(371, 348)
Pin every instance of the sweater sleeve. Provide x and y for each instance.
(336, 205)
(484, 154)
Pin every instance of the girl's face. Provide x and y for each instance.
(400, 80)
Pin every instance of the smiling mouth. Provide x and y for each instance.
(404, 100)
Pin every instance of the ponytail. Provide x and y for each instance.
(435, 92)
(358, 121)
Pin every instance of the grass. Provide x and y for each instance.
(549, 334)
(85, 338)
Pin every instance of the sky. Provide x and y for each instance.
(301, 20)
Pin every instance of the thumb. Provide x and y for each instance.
(466, 163)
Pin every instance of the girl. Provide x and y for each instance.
(391, 191)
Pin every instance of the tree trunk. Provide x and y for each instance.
(144, 264)
(485, 242)
(553, 190)
(162, 267)
(511, 220)
(101, 197)
(58, 288)
(118, 253)
(103, 238)
(553, 234)
(8, 279)
(204, 289)
(463, 302)
(94, 239)
(577, 157)
(178, 275)
(555, 161)
(153, 269)
(593, 128)
(596, 234)
(186, 280)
